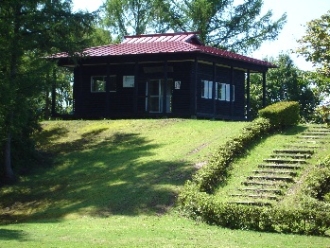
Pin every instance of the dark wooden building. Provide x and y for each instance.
(172, 75)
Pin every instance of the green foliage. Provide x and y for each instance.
(196, 201)
(126, 16)
(281, 114)
(215, 172)
(287, 83)
(208, 177)
(224, 24)
(315, 45)
(285, 220)
(30, 30)
(324, 113)
(318, 182)
(221, 23)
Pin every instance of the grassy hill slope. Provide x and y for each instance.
(114, 183)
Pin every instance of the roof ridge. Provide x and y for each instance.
(159, 34)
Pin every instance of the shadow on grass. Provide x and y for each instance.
(18, 235)
(116, 175)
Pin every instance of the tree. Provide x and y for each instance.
(285, 83)
(315, 45)
(128, 16)
(221, 23)
(29, 30)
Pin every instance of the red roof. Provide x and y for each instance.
(163, 43)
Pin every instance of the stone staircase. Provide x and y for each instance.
(269, 182)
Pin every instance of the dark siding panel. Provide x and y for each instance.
(181, 97)
(88, 104)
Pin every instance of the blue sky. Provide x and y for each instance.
(299, 13)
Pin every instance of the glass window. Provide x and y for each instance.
(221, 91)
(224, 91)
(206, 90)
(98, 84)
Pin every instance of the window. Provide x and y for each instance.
(98, 83)
(224, 91)
(221, 92)
(206, 90)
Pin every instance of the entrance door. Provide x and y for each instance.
(155, 96)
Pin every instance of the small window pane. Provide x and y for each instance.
(98, 84)
(204, 89)
(210, 86)
(228, 92)
(222, 91)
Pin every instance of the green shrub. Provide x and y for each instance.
(281, 114)
(197, 202)
(318, 182)
(216, 170)
(323, 112)
(299, 221)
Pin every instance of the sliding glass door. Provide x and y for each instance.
(155, 97)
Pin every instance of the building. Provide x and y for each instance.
(172, 75)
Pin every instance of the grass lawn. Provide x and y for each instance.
(113, 183)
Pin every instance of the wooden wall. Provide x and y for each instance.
(130, 102)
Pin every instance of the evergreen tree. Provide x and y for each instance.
(221, 23)
(28, 31)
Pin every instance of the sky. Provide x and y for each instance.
(299, 12)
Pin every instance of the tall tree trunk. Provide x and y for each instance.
(9, 173)
(14, 58)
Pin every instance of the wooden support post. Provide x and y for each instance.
(231, 83)
(107, 92)
(193, 89)
(264, 89)
(213, 90)
(136, 79)
(164, 87)
(248, 95)
(53, 111)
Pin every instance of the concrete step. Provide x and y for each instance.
(290, 155)
(320, 129)
(280, 166)
(310, 137)
(256, 196)
(252, 203)
(294, 151)
(285, 161)
(263, 190)
(302, 146)
(316, 133)
(263, 184)
(277, 172)
(271, 178)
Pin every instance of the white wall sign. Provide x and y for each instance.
(177, 85)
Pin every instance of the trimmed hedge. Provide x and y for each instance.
(281, 114)
(216, 170)
(299, 221)
(196, 199)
